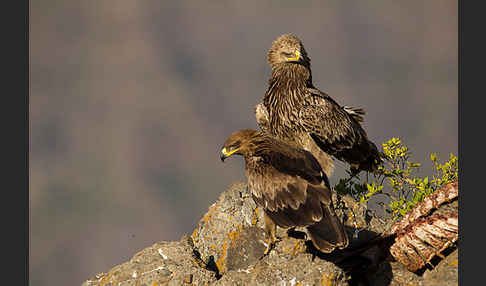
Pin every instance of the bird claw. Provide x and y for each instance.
(267, 250)
(271, 242)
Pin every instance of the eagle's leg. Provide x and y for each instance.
(271, 231)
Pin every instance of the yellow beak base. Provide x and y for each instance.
(227, 154)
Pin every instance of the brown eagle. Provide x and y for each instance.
(296, 112)
(290, 186)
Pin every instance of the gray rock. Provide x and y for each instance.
(231, 232)
(227, 246)
(164, 263)
(287, 264)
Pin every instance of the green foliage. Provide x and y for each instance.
(396, 179)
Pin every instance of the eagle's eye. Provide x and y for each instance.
(287, 54)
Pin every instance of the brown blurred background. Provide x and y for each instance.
(130, 102)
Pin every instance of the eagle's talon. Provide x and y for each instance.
(269, 247)
(271, 242)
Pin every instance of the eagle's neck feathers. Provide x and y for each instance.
(286, 93)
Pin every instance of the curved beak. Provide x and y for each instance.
(223, 157)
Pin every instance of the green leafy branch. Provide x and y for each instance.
(396, 179)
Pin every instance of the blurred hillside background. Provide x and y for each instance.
(130, 102)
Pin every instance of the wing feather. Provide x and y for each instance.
(356, 112)
(275, 191)
(333, 127)
(293, 161)
(288, 184)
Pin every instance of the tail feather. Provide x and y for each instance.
(328, 233)
(368, 148)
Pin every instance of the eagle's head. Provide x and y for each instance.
(241, 142)
(287, 49)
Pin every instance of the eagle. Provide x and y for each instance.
(295, 111)
(290, 186)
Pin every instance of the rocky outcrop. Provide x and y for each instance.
(227, 246)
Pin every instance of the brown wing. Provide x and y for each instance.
(292, 189)
(330, 125)
(336, 130)
(285, 197)
(291, 201)
(280, 175)
(293, 161)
